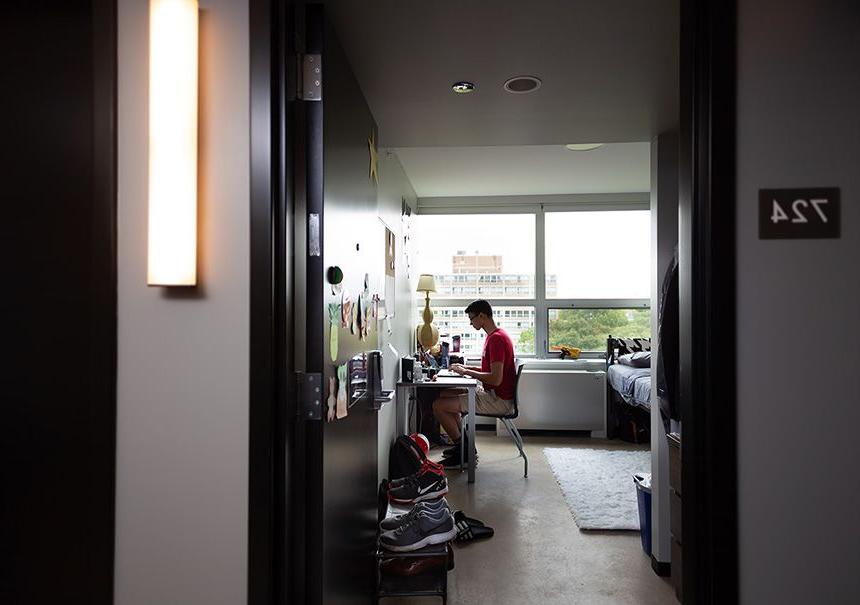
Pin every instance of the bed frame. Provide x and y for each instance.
(625, 421)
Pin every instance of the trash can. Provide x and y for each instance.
(643, 497)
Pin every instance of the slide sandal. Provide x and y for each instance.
(469, 529)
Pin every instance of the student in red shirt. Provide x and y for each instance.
(497, 376)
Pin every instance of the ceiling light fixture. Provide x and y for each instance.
(583, 146)
(463, 88)
(520, 85)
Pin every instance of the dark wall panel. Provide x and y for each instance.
(57, 430)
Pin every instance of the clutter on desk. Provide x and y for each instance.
(443, 356)
(429, 360)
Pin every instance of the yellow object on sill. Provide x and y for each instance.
(572, 352)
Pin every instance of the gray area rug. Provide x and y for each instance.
(598, 484)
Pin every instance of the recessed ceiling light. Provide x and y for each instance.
(463, 88)
(520, 85)
(583, 146)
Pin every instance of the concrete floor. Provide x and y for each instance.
(538, 555)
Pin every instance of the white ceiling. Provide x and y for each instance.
(526, 170)
(609, 70)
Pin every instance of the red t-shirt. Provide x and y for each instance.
(499, 347)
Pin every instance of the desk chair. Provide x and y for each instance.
(507, 420)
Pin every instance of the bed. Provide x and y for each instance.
(628, 391)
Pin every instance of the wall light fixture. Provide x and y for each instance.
(172, 242)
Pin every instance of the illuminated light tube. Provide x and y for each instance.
(172, 241)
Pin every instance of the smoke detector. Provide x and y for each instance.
(520, 85)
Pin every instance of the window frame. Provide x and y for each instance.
(540, 207)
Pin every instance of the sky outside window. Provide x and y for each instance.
(599, 255)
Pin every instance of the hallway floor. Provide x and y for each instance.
(538, 555)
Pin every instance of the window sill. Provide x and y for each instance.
(592, 365)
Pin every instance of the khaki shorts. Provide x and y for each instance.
(486, 402)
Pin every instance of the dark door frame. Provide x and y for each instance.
(272, 400)
(707, 299)
(58, 416)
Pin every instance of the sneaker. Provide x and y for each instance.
(428, 466)
(425, 486)
(455, 449)
(453, 461)
(439, 515)
(419, 532)
(433, 508)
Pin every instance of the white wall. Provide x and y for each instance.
(664, 237)
(393, 187)
(797, 307)
(182, 376)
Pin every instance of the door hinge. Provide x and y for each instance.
(310, 73)
(310, 395)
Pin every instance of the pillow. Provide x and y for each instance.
(641, 359)
(632, 345)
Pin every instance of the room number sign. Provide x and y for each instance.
(798, 213)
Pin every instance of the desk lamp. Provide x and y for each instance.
(428, 334)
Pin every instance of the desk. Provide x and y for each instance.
(410, 388)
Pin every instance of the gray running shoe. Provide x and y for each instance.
(432, 508)
(423, 530)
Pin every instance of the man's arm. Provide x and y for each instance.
(493, 378)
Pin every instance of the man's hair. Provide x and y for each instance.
(480, 306)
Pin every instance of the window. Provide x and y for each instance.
(595, 270)
(588, 329)
(583, 248)
(486, 255)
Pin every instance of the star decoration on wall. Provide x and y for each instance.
(371, 145)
